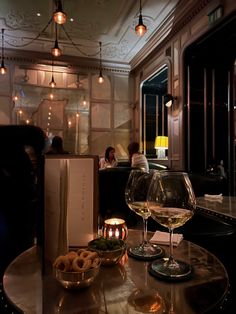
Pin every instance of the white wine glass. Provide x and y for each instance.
(136, 198)
(172, 203)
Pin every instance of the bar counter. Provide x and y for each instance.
(116, 287)
(221, 209)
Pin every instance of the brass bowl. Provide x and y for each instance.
(76, 280)
(109, 257)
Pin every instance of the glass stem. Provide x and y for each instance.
(171, 245)
(145, 231)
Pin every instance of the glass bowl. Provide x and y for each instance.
(108, 257)
(76, 280)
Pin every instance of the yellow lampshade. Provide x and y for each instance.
(161, 142)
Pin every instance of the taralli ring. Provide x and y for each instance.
(79, 264)
(86, 255)
(62, 263)
(96, 262)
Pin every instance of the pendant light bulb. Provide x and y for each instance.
(100, 77)
(59, 16)
(56, 51)
(3, 69)
(140, 29)
(52, 84)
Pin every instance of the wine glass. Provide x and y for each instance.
(172, 202)
(136, 198)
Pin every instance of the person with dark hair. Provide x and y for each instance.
(109, 160)
(137, 159)
(57, 146)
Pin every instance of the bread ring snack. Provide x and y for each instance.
(79, 264)
(62, 262)
(85, 255)
(72, 255)
(80, 251)
(93, 255)
(96, 262)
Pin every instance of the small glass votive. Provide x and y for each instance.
(115, 228)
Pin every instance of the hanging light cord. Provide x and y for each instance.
(32, 40)
(2, 44)
(76, 46)
(100, 52)
(140, 7)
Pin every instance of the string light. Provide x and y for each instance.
(3, 69)
(140, 29)
(100, 77)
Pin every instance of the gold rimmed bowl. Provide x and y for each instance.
(110, 251)
(77, 270)
(76, 280)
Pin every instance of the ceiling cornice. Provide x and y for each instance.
(31, 58)
(176, 21)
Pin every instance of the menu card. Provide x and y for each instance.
(71, 203)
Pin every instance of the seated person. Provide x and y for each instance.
(137, 159)
(57, 146)
(109, 160)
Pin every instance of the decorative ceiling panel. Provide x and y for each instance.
(28, 27)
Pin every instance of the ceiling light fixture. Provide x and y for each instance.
(100, 77)
(140, 29)
(59, 16)
(52, 84)
(56, 51)
(3, 69)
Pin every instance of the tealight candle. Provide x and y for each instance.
(115, 227)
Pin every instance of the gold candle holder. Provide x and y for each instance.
(115, 228)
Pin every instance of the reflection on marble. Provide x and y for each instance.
(223, 209)
(113, 288)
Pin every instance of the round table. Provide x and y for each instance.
(113, 289)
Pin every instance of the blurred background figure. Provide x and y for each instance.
(57, 146)
(137, 159)
(109, 160)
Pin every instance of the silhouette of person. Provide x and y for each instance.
(137, 159)
(57, 146)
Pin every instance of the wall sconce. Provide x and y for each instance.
(3, 69)
(161, 145)
(56, 51)
(169, 99)
(115, 228)
(59, 16)
(100, 77)
(140, 29)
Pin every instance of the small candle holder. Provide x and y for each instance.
(115, 228)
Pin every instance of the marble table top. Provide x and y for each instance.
(115, 287)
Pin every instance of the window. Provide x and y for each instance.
(154, 112)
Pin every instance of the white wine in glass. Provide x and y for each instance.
(136, 198)
(172, 203)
